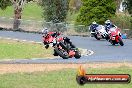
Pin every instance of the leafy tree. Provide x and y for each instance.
(129, 2)
(55, 10)
(96, 10)
(4, 4)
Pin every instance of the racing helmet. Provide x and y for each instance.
(45, 31)
(94, 22)
(107, 22)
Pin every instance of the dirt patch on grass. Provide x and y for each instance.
(14, 68)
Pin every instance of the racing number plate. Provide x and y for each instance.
(113, 38)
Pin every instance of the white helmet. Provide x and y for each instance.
(107, 22)
(45, 31)
(94, 22)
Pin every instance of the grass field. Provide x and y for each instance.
(32, 11)
(10, 49)
(59, 79)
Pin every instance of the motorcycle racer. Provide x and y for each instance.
(62, 45)
(49, 35)
(93, 26)
(108, 25)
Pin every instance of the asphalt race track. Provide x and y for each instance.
(103, 50)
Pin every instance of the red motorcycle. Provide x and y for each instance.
(115, 36)
(62, 46)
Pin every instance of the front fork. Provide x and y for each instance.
(117, 38)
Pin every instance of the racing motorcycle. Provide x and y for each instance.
(100, 33)
(63, 46)
(115, 36)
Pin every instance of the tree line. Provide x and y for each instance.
(56, 10)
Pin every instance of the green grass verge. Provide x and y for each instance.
(22, 50)
(59, 79)
(32, 11)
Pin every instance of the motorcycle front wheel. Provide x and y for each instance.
(121, 42)
(77, 54)
(61, 53)
(96, 37)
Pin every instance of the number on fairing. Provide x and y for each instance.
(113, 38)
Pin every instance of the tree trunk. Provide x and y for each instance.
(17, 17)
(118, 2)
